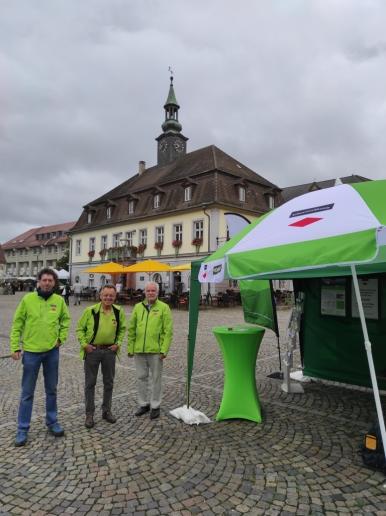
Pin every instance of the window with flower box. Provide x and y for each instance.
(198, 229)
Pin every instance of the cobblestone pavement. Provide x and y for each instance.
(303, 458)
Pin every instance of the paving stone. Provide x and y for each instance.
(301, 460)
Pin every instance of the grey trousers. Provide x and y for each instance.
(106, 358)
(146, 363)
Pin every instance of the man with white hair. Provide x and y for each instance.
(149, 338)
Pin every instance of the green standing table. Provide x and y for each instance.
(239, 346)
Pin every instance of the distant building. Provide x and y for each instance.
(290, 192)
(2, 263)
(39, 247)
(173, 211)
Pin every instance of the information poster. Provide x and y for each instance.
(370, 299)
(333, 300)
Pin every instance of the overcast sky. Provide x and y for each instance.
(294, 89)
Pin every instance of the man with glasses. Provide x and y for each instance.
(149, 338)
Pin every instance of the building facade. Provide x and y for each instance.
(39, 247)
(3, 263)
(174, 211)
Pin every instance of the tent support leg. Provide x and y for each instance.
(369, 358)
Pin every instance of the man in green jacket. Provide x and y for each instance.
(100, 332)
(40, 326)
(149, 338)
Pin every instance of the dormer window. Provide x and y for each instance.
(131, 207)
(89, 217)
(271, 202)
(187, 193)
(156, 200)
(242, 193)
(109, 212)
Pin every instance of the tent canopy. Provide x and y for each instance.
(321, 233)
(331, 232)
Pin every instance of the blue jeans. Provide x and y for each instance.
(31, 367)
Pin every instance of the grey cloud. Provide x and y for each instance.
(295, 90)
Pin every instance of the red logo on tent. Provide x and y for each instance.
(305, 222)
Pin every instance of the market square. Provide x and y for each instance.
(303, 459)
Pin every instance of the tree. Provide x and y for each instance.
(62, 263)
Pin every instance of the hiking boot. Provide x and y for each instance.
(109, 417)
(89, 421)
(142, 410)
(154, 413)
(21, 438)
(56, 430)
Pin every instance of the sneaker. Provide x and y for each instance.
(89, 421)
(154, 413)
(109, 417)
(21, 438)
(142, 410)
(56, 430)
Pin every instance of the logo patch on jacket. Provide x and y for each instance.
(53, 308)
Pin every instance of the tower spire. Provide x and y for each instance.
(171, 143)
(171, 108)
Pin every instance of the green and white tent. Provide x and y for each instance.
(331, 232)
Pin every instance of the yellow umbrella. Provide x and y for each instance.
(108, 268)
(182, 267)
(148, 266)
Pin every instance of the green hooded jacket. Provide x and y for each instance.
(150, 330)
(39, 324)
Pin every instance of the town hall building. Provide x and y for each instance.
(174, 212)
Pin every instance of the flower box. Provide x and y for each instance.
(197, 242)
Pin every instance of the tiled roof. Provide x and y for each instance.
(28, 238)
(294, 191)
(213, 174)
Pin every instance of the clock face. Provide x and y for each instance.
(163, 146)
(178, 146)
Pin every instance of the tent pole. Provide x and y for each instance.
(369, 358)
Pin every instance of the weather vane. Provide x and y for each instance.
(171, 73)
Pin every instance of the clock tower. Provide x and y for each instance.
(171, 143)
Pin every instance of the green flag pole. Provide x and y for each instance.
(194, 302)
